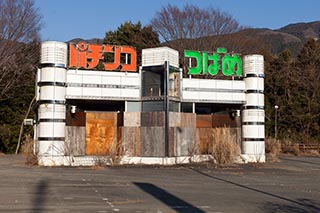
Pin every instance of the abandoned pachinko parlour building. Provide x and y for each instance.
(96, 103)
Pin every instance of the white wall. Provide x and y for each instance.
(102, 85)
(211, 90)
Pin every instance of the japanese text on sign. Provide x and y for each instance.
(230, 64)
(89, 56)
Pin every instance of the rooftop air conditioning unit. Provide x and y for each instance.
(159, 55)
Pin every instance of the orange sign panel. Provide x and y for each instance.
(93, 56)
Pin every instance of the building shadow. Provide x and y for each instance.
(40, 196)
(167, 198)
(300, 205)
(309, 206)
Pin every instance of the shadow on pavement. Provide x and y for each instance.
(41, 192)
(305, 206)
(309, 206)
(300, 161)
(167, 198)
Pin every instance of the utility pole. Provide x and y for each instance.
(276, 107)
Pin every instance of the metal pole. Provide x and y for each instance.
(166, 101)
(275, 121)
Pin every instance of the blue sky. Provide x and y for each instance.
(64, 20)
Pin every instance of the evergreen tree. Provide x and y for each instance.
(306, 89)
(133, 35)
(14, 108)
(294, 85)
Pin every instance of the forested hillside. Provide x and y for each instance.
(250, 40)
(20, 24)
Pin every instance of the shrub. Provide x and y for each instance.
(224, 147)
(288, 147)
(273, 148)
(116, 152)
(27, 151)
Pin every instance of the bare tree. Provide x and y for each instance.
(192, 22)
(20, 24)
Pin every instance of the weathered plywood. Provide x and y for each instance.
(131, 141)
(152, 142)
(205, 140)
(204, 121)
(185, 142)
(149, 119)
(75, 140)
(224, 120)
(172, 140)
(101, 132)
(76, 119)
(119, 119)
(188, 120)
(174, 119)
(99, 140)
(104, 118)
(132, 119)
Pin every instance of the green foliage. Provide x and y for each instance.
(15, 105)
(294, 85)
(133, 35)
(12, 112)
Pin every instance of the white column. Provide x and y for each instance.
(253, 115)
(51, 103)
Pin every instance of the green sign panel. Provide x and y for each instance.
(212, 63)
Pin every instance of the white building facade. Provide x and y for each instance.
(66, 85)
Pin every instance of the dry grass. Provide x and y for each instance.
(116, 152)
(225, 149)
(100, 163)
(289, 147)
(313, 153)
(27, 151)
(273, 148)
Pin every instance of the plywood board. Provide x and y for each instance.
(101, 132)
(155, 119)
(204, 121)
(224, 120)
(132, 119)
(118, 142)
(172, 140)
(99, 140)
(104, 118)
(119, 119)
(152, 142)
(205, 140)
(185, 142)
(76, 119)
(131, 141)
(188, 120)
(75, 140)
(174, 119)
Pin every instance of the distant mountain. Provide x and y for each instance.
(303, 30)
(292, 36)
(251, 40)
(256, 40)
(90, 41)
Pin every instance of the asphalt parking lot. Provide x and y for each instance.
(291, 185)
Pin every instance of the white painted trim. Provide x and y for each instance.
(105, 160)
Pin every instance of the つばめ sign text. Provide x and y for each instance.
(229, 64)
